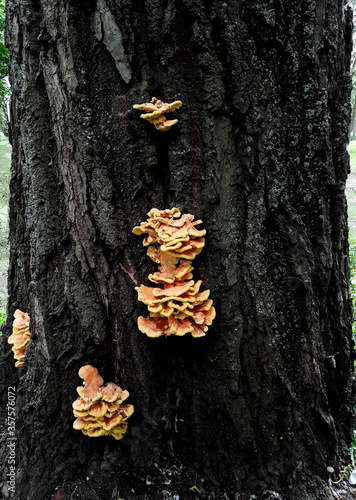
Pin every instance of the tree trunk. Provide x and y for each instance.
(264, 402)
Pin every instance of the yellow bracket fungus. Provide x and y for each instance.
(20, 336)
(175, 304)
(99, 409)
(155, 113)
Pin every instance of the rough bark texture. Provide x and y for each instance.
(261, 405)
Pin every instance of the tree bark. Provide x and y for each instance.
(263, 404)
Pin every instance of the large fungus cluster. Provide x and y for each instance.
(155, 113)
(99, 409)
(176, 304)
(20, 336)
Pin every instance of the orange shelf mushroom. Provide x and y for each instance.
(175, 304)
(155, 113)
(20, 336)
(99, 409)
(176, 235)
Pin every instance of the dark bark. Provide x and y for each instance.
(264, 401)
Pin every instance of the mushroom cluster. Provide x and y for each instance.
(155, 113)
(99, 409)
(20, 336)
(176, 304)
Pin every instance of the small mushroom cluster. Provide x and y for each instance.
(99, 409)
(176, 304)
(155, 113)
(20, 336)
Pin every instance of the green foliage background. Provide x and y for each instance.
(4, 55)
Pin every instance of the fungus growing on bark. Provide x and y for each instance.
(170, 271)
(20, 336)
(176, 236)
(175, 304)
(155, 113)
(99, 409)
(191, 312)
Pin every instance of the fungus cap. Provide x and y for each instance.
(176, 235)
(155, 112)
(175, 304)
(99, 409)
(94, 390)
(20, 336)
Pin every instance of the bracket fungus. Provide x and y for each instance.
(99, 409)
(20, 336)
(176, 304)
(155, 113)
(175, 235)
